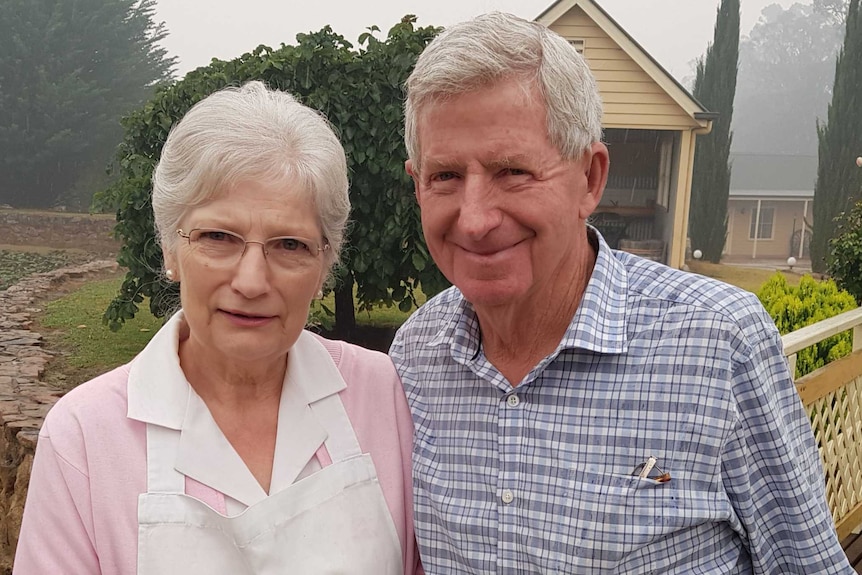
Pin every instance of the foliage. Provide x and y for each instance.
(786, 69)
(93, 349)
(839, 180)
(715, 88)
(15, 265)
(88, 347)
(359, 90)
(811, 301)
(845, 261)
(68, 71)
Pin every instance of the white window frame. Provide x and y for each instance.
(767, 217)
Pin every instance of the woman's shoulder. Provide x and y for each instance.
(93, 406)
(360, 364)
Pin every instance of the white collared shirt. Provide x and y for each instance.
(160, 394)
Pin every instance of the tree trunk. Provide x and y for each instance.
(345, 316)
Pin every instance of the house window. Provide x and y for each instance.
(761, 230)
(579, 46)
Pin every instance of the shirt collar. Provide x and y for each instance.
(159, 394)
(599, 324)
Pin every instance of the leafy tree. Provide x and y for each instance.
(715, 88)
(68, 72)
(359, 90)
(845, 261)
(794, 307)
(786, 69)
(839, 181)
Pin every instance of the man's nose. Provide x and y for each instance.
(479, 212)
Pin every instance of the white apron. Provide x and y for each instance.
(334, 521)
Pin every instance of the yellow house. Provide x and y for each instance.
(651, 124)
(769, 208)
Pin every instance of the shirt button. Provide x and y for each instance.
(513, 400)
(508, 496)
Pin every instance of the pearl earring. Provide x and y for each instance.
(319, 294)
(169, 274)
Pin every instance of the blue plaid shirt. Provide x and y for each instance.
(656, 362)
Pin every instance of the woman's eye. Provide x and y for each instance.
(215, 236)
(291, 244)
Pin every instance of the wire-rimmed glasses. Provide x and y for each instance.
(223, 248)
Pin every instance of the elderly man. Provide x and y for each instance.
(580, 410)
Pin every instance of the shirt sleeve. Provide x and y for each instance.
(772, 472)
(57, 529)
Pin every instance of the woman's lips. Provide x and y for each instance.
(245, 319)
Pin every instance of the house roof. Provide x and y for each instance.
(772, 175)
(634, 51)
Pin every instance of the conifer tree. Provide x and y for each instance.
(839, 180)
(715, 88)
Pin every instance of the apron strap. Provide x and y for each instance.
(341, 442)
(162, 443)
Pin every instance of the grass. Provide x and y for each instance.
(16, 263)
(747, 278)
(89, 348)
(73, 324)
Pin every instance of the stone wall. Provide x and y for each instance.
(24, 398)
(90, 232)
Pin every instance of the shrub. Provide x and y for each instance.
(811, 301)
(845, 263)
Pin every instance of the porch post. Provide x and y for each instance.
(756, 231)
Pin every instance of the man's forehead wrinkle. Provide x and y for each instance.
(493, 161)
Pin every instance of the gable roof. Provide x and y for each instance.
(633, 50)
(772, 175)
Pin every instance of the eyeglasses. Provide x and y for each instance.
(221, 248)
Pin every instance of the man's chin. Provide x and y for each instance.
(490, 293)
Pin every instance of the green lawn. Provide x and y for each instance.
(73, 323)
(747, 278)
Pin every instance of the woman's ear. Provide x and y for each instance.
(170, 268)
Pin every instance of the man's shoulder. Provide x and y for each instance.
(431, 315)
(650, 282)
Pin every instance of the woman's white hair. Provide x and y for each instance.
(245, 134)
(495, 47)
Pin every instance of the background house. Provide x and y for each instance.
(769, 207)
(651, 124)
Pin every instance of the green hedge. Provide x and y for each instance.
(794, 307)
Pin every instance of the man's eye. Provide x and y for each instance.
(515, 172)
(443, 176)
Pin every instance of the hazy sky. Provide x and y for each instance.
(675, 32)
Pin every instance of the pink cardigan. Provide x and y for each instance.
(90, 467)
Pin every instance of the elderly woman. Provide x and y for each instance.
(235, 442)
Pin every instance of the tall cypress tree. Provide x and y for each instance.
(839, 181)
(715, 88)
(68, 72)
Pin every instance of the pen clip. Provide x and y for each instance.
(643, 470)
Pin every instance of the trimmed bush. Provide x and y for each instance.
(794, 307)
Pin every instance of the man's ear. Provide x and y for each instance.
(413, 173)
(596, 166)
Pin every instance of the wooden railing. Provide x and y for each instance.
(832, 395)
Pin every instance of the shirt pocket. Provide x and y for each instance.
(613, 517)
